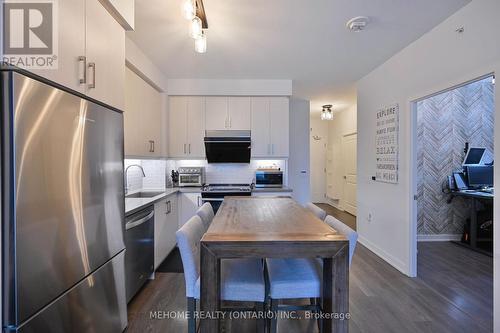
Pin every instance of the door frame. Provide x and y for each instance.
(342, 198)
(413, 199)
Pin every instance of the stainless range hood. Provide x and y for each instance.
(228, 146)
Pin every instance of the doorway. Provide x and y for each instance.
(349, 151)
(447, 125)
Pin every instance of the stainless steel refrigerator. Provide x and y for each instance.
(62, 206)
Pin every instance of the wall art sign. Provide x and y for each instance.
(387, 145)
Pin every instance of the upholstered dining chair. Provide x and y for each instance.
(301, 278)
(206, 213)
(320, 213)
(242, 280)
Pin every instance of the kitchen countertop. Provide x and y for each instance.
(133, 205)
(272, 189)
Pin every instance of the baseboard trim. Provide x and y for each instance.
(391, 260)
(439, 238)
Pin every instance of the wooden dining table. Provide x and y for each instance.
(274, 227)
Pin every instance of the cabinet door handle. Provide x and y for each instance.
(184, 148)
(92, 66)
(151, 146)
(189, 149)
(83, 60)
(198, 199)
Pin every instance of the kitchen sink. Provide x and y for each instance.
(147, 194)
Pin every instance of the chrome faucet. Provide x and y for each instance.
(126, 175)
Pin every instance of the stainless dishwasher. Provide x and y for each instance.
(139, 254)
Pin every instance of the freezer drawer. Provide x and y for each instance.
(96, 304)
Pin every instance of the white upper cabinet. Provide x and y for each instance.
(279, 112)
(177, 126)
(196, 127)
(228, 113)
(105, 51)
(266, 117)
(91, 52)
(216, 113)
(71, 46)
(270, 127)
(143, 118)
(261, 146)
(239, 113)
(186, 127)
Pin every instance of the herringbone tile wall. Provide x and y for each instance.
(444, 124)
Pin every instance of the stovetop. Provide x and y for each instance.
(227, 188)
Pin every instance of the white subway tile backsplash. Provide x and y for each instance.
(157, 170)
(232, 173)
(155, 174)
(134, 175)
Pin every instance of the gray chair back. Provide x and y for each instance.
(206, 213)
(343, 229)
(320, 213)
(188, 240)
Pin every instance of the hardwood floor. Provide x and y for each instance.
(453, 293)
(345, 217)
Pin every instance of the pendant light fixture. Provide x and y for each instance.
(194, 11)
(189, 9)
(327, 114)
(200, 44)
(196, 28)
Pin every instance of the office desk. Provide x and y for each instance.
(475, 196)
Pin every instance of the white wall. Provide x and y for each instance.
(440, 59)
(343, 123)
(298, 162)
(318, 129)
(215, 87)
(138, 62)
(123, 11)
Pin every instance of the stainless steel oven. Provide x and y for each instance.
(215, 193)
(191, 176)
(268, 178)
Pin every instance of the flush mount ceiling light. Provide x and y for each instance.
(358, 23)
(194, 11)
(327, 114)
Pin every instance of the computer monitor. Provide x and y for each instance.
(474, 156)
(480, 176)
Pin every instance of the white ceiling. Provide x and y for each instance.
(302, 40)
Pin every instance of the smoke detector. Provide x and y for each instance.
(358, 23)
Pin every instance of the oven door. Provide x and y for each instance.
(214, 202)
